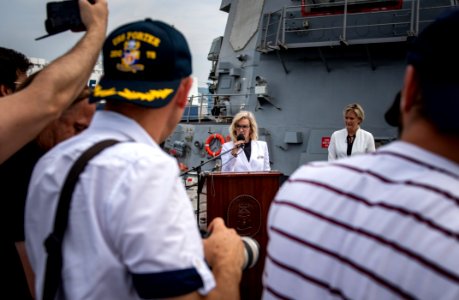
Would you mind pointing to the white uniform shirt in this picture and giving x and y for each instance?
(131, 225)
(363, 143)
(377, 226)
(259, 158)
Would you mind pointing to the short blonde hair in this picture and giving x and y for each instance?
(253, 125)
(357, 109)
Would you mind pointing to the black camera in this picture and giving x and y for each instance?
(62, 16)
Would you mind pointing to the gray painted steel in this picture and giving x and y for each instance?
(297, 72)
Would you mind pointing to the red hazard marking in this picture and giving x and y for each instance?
(325, 141)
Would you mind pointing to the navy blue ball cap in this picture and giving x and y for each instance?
(144, 63)
(435, 57)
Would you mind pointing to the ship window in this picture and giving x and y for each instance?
(225, 82)
(215, 49)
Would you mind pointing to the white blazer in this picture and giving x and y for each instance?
(363, 143)
(259, 158)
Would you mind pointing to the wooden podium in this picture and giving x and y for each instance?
(242, 200)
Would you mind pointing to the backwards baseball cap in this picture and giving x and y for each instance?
(144, 63)
(435, 57)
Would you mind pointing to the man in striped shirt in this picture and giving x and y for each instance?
(383, 225)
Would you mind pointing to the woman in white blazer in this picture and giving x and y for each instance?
(244, 152)
(351, 140)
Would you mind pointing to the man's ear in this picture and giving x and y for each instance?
(410, 91)
(4, 90)
(182, 93)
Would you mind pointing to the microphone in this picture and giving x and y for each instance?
(240, 137)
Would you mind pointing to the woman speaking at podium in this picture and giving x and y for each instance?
(245, 152)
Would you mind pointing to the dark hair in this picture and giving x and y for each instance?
(392, 115)
(12, 62)
(435, 60)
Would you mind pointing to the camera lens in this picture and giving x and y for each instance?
(251, 252)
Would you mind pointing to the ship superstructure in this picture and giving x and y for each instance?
(295, 64)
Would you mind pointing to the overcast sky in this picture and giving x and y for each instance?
(199, 20)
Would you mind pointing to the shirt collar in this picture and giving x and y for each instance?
(120, 127)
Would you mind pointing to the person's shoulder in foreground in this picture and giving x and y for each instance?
(381, 225)
(130, 203)
(385, 219)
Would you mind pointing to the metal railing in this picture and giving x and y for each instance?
(220, 108)
(213, 107)
(291, 27)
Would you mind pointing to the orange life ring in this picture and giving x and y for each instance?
(209, 141)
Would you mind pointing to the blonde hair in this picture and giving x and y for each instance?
(253, 125)
(357, 109)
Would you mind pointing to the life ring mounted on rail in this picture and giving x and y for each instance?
(210, 139)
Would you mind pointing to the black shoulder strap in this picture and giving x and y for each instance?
(53, 243)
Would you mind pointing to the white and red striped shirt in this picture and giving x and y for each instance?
(378, 226)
